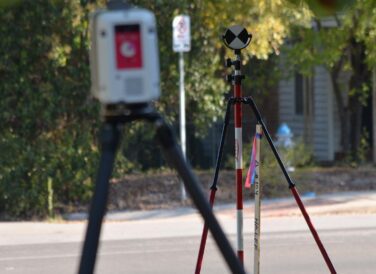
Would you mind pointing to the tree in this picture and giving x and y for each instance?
(46, 118)
(49, 120)
(347, 46)
(268, 21)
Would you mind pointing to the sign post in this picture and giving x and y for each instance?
(181, 34)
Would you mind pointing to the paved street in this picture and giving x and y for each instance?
(168, 243)
(352, 251)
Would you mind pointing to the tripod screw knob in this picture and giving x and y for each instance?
(228, 63)
(229, 78)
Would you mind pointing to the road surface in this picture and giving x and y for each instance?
(169, 245)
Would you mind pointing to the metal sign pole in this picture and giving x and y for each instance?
(181, 42)
(182, 116)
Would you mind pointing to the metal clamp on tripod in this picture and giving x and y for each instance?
(126, 82)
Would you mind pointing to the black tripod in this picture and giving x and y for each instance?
(110, 138)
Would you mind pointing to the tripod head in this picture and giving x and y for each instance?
(236, 38)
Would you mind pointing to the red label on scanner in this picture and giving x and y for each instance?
(128, 47)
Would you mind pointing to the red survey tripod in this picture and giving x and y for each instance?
(236, 38)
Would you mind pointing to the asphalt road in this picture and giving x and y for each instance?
(351, 247)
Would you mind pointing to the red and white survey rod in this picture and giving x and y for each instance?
(237, 100)
(238, 158)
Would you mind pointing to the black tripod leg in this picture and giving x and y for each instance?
(175, 158)
(292, 187)
(110, 138)
(213, 187)
(251, 102)
(221, 144)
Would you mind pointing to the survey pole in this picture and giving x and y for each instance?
(257, 234)
(237, 38)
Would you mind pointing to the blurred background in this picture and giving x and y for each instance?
(310, 68)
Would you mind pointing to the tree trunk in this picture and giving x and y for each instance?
(356, 129)
(343, 110)
(360, 77)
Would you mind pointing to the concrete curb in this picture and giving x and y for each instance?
(325, 204)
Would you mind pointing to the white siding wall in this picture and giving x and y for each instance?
(326, 129)
(323, 135)
(287, 107)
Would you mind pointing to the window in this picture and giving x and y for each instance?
(299, 94)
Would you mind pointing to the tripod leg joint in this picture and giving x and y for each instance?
(214, 188)
(234, 100)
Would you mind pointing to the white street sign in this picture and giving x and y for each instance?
(181, 33)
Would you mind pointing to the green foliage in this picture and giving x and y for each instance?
(262, 76)
(326, 7)
(49, 122)
(345, 45)
(299, 155)
(366, 30)
(312, 47)
(268, 21)
(363, 149)
(6, 3)
(326, 45)
(47, 117)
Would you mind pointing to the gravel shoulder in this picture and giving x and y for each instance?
(162, 190)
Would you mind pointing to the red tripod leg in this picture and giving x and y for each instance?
(213, 187)
(313, 230)
(204, 236)
(249, 100)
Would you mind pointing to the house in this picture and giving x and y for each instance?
(308, 106)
